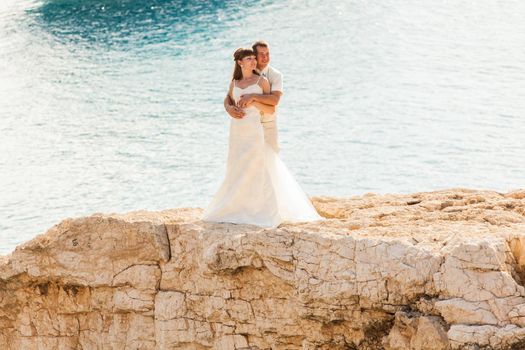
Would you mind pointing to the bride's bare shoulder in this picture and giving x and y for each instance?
(263, 78)
(264, 84)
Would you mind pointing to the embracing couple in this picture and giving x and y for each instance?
(258, 188)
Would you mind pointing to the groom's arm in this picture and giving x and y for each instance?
(271, 98)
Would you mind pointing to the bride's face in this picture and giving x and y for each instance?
(249, 62)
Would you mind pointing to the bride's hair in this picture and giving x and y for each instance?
(238, 55)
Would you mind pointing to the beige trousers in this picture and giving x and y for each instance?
(270, 132)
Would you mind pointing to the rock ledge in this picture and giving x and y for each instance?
(433, 270)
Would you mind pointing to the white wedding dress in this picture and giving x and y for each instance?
(258, 188)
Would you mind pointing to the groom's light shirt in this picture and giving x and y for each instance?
(275, 78)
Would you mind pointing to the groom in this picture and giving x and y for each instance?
(269, 123)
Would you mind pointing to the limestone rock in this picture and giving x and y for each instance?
(436, 270)
(415, 331)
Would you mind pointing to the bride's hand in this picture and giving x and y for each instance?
(246, 101)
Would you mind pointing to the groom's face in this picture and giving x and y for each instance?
(263, 56)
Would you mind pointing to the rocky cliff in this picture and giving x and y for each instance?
(434, 270)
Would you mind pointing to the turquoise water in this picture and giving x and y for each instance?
(113, 106)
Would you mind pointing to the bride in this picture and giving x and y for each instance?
(258, 188)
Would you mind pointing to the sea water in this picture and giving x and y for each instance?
(116, 105)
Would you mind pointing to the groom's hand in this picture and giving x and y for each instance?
(245, 100)
(235, 112)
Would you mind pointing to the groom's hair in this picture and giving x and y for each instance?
(260, 43)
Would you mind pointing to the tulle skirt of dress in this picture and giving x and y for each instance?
(258, 188)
